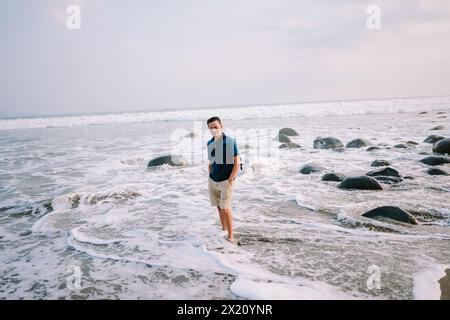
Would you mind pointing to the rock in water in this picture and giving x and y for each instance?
(438, 128)
(380, 163)
(289, 145)
(283, 138)
(437, 172)
(172, 160)
(386, 171)
(442, 146)
(371, 148)
(191, 135)
(311, 168)
(388, 179)
(360, 182)
(433, 138)
(358, 143)
(401, 146)
(338, 149)
(391, 212)
(327, 143)
(435, 160)
(333, 176)
(288, 132)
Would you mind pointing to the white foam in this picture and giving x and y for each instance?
(426, 282)
(255, 282)
(305, 290)
(247, 112)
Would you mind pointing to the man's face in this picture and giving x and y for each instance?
(215, 128)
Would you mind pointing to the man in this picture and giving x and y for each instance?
(223, 166)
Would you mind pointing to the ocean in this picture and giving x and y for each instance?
(82, 217)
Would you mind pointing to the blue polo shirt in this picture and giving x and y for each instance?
(221, 154)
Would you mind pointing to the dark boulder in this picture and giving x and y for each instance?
(311, 168)
(438, 128)
(333, 176)
(360, 182)
(282, 138)
(288, 132)
(380, 163)
(371, 148)
(391, 212)
(435, 160)
(401, 146)
(433, 138)
(388, 179)
(289, 145)
(386, 171)
(172, 160)
(437, 172)
(442, 146)
(327, 143)
(358, 143)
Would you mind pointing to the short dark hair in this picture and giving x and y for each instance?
(212, 119)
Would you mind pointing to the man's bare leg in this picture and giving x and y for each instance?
(222, 219)
(228, 222)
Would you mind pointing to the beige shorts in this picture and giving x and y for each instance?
(220, 193)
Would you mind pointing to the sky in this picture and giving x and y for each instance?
(153, 55)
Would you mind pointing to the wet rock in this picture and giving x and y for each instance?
(360, 182)
(288, 132)
(437, 172)
(333, 176)
(391, 212)
(388, 179)
(358, 143)
(411, 143)
(435, 160)
(289, 145)
(433, 138)
(191, 135)
(283, 138)
(327, 143)
(401, 146)
(172, 160)
(371, 148)
(442, 146)
(386, 171)
(311, 168)
(380, 163)
(438, 128)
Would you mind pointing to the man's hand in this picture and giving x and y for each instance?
(231, 181)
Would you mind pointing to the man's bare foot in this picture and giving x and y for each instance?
(233, 241)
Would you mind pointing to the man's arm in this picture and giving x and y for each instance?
(209, 167)
(234, 172)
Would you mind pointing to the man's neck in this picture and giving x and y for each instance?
(218, 137)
